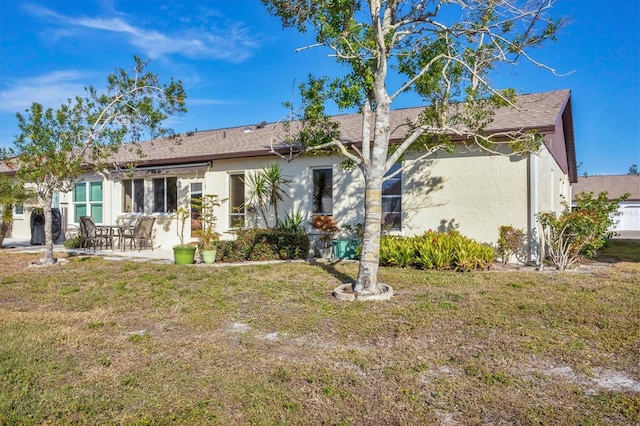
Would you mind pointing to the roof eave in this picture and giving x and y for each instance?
(569, 139)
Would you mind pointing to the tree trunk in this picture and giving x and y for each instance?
(275, 210)
(367, 282)
(48, 258)
(265, 217)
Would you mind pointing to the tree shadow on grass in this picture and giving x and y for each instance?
(620, 250)
(330, 268)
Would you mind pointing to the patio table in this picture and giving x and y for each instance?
(115, 231)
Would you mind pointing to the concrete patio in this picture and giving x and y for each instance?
(156, 255)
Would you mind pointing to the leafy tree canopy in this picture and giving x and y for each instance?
(56, 145)
(446, 52)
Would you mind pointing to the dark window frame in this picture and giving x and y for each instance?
(237, 212)
(165, 194)
(322, 191)
(195, 197)
(392, 196)
(134, 189)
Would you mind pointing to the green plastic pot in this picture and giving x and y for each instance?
(184, 255)
(209, 256)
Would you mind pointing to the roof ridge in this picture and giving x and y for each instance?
(347, 114)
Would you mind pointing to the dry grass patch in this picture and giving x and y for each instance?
(97, 341)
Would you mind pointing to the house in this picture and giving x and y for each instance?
(470, 190)
(628, 223)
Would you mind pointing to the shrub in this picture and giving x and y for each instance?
(564, 237)
(471, 255)
(436, 250)
(264, 244)
(510, 243)
(577, 233)
(353, 230)
(396, 251)
(293, 223)
(602, 212)
(73, 242)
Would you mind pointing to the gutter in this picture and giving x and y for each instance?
(532, 208)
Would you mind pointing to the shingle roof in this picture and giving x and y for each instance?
(615, 185)
(540, 111)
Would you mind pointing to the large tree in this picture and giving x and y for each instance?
(446, 51)
(55, 146)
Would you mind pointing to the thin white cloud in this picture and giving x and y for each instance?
(207, 102)
(50, 90)
(233, 42)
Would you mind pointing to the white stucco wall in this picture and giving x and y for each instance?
(166, 225)
(348, 197)
(20, 228)
(553, 186)
(472, 191)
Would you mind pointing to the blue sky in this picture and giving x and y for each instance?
(238, 65)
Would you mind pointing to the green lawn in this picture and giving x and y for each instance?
(112, 342)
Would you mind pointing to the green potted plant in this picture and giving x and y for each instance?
(327, 227)
(183, 254)
(207, 236)
(208, 246)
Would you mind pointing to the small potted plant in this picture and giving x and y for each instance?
(208, 245)
(183, 254)
(208, 237)
(327, 227)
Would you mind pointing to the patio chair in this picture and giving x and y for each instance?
(141, 235)
(92, 235)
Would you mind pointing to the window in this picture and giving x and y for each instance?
(392, 198)
(236, 191)
(87, 200)
(18, 209)
(165, 194)
(133, 196)
(322, 191)
(196, 200)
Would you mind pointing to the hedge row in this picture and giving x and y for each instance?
(436, 250)
(264, 244)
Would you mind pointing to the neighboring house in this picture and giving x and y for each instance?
(470, 190)
(628, 223)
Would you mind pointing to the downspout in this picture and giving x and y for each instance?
(108, 197)
(112, 196)
(532, 167)
(570, 195)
